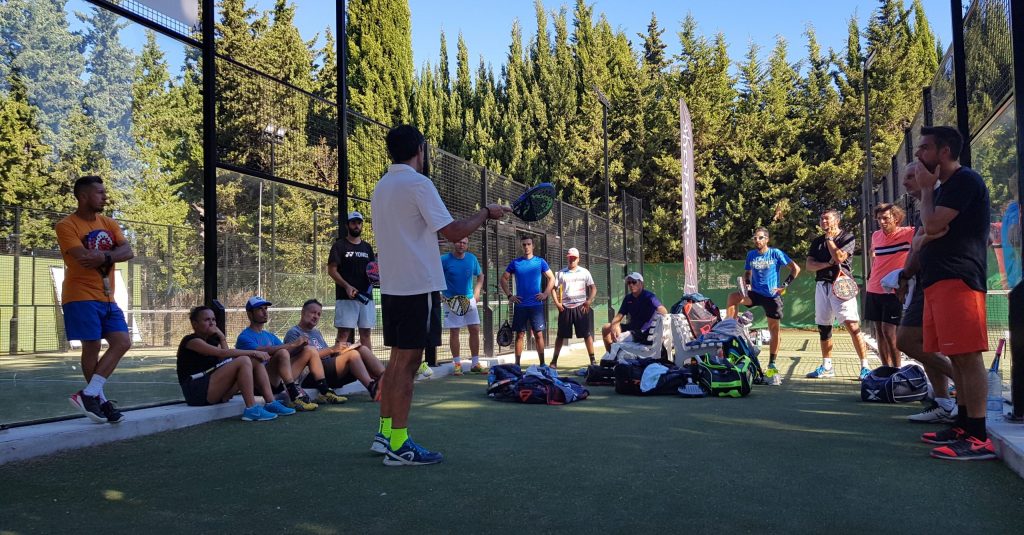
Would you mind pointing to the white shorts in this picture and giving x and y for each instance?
(455, 321)
(828, 307)
(350, 314)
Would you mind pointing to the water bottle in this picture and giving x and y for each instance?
(994, 401)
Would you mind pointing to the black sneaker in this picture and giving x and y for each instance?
(89, 405)
(113, 415)
(946, 436)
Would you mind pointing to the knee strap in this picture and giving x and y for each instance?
(825, 332)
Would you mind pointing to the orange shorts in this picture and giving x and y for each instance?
(954, 318)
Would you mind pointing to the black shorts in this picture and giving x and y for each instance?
(195, 391)
(571, 318)
(330, 374)
(411, 321)
(913, 315)
(882, 307)
(772, 305)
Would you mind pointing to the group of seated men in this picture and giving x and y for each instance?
(280, 371)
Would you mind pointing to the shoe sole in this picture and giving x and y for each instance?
(390, 461)
(244, 419)
(81, 408)
(377, 447)
(937, 442)
(985, 457)
(117, 421)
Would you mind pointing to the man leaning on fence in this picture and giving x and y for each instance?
(91, 244)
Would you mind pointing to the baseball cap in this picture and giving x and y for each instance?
(635, 276)
(255, 302)
(573, 252)
(355, 215)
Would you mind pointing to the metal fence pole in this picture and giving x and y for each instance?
(960, 80)
(209, 154)
(13, 342)
(929, 111)
(1016, 315)
(488, 330)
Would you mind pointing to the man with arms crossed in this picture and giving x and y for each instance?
(353, 292)
(762, 280)
(91, 244)
(532, 273)
(829, 255)
(463, 276)
(909, 338)
(953, 273)
(575, 295)
(411, 214)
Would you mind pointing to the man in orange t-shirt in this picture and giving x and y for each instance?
(890, 246)
(91, 244)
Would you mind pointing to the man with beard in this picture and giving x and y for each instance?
(354, 307)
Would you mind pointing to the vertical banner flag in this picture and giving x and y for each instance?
(689, 226)
(186, 11)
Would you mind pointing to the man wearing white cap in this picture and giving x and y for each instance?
(574, 296)
(353, 292)
(640, 305)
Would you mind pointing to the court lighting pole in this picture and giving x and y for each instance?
(274, 135)
(605, 106)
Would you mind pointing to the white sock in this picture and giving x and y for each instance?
(828, 363)
(946, 403)
(864, 363)
(476, 360)
(95, 387)
(456, 360)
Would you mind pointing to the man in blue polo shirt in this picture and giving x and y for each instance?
(640, 305)
(530, 272)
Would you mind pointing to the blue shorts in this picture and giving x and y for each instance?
(90, 320)
(531, 315)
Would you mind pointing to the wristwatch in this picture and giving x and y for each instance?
(109, 261)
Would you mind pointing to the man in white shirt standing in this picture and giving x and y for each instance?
(407, 215)
(574, 297)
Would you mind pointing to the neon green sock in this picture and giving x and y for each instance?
(398, 437)
(385, 427)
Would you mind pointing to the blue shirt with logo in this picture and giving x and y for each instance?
(460, 274)
(764, 270)
(528, 273)
(250, 339)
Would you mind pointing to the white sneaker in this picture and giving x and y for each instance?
(933, 415)
(424, 372)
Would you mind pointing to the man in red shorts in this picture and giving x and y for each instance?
(954, 268)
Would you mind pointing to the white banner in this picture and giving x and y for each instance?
(186, 11)
(689, 226)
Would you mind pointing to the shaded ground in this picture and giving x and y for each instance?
(806, 456)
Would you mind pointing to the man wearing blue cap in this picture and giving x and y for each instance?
(281, 367)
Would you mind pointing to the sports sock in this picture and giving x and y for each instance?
(591, 358)
(771, 359)
(321, 386)
(864, 363)
(828, 363)
(398, 437)
(961, 416)
(95, 387)
(946, 403)
(293, 391)
(103, 397)
(456, 360)
(385, 427)
(976, 428)
(476, 360)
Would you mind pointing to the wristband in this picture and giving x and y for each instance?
(788, 280)
(109, 261)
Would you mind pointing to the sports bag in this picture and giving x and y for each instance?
(701, 313)
(503, 381)
(722, 378)
(600, 375)
(629, 376)
(886, 384)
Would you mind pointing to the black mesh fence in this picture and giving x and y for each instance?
(988, 60)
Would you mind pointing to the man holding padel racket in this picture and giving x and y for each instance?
(835, 293)
(465, 280)
(410, 213)
(534, 282)
(91, 244)
(353, 290)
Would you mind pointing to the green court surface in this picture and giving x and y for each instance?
(804, 457)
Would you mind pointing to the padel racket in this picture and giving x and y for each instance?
(100, 240)
(202, 374)
(535, 203)
(458, 304)
(373, 273)
(844, 287)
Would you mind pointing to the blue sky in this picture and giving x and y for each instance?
(486, 25)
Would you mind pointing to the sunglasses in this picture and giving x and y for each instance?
(760, 237)
(631, 282)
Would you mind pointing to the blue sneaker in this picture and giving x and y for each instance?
(257, 413)
(864, 373)
(821, 372)
(380, 444)
(411, 454)
(278, 408)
